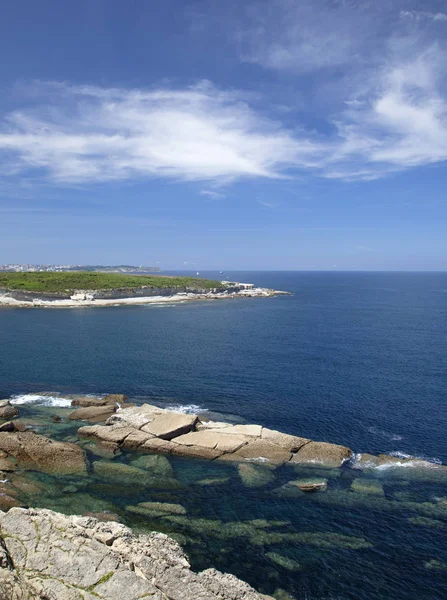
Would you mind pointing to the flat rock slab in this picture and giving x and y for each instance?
(213, 439)
(329, 455)
(115, 433)
(39, 453)
(93, 413)
(288, 442)
(262, 451)
(44, 554)
(85, 401)
(170, 425)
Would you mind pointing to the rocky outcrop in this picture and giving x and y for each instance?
(154, 430)
(7, 411)
(93, 414)
(85, 401)
(329, 455)
(39, 453)
(47, 555)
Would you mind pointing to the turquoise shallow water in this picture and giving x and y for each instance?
(357, 359)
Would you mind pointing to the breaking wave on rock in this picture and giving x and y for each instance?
(41, 400)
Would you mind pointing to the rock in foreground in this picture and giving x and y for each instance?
(149, 429)
(45, 555)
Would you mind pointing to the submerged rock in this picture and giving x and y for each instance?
(367, 486)
(427, 522)
(44, 554)
(255, 476)
(284, 561)
(435, 565)
(39, 453)
(155, 464)
(157, 509)
(119, 472)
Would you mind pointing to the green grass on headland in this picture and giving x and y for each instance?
(83, 280)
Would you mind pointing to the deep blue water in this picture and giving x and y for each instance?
(354, 358)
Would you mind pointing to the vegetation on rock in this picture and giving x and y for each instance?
(83, 280)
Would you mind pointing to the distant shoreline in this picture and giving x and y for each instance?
(87, 298)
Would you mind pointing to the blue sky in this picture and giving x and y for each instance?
(276, 134)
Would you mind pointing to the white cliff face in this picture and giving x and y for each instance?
(82, 296)
(92, 298)
(44, 554)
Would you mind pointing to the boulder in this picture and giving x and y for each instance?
(119, 398)
(170, 425)
(38, 453)
(44, 554)
(7, 411)
(85, 401)
(93, 414)
(8, 426)
(329, 455)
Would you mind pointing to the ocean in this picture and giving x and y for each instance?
(352, 358)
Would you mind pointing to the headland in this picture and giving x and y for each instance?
(77, 289)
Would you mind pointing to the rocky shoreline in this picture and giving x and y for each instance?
(135, 296)
(46, 555)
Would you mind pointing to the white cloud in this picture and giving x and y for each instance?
(395, 121)
(420, 15)
(199, 133)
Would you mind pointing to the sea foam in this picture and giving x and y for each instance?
(40, 400)
(186, 409)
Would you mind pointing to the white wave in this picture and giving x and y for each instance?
(408, 460)
(39, 400)
(430, 459)
(186, 409)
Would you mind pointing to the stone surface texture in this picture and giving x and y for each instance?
(39, 453)
(151, 429)
(49, 556)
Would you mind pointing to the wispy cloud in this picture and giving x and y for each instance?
(420, 15)
(82, 134)
(212, 194)
(74, 135)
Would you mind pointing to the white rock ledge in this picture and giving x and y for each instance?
(44, 554)
(83, 298)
